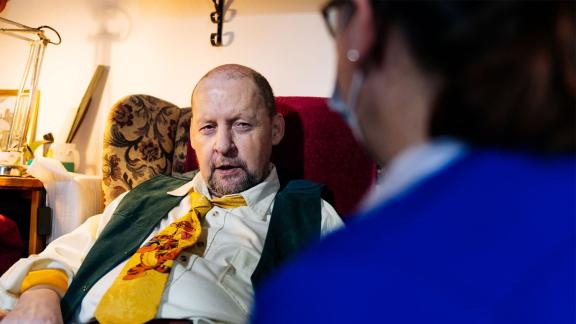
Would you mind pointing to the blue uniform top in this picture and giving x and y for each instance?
(489, 239)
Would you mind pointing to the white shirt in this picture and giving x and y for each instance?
(210, 281)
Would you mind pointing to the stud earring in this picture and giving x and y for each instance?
(352, 55)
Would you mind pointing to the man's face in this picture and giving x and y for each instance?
(232, 133)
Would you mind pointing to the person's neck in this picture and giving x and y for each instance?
(403, 97)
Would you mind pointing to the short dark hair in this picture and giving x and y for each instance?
(508, 67)
(236, 71)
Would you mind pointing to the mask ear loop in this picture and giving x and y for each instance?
(347, 109)
(355, 87)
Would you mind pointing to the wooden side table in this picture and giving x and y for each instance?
(21, 198)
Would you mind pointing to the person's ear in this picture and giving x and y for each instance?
(191, 135)
(278, 125)
(359, 32)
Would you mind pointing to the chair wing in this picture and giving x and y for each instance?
(139, 143)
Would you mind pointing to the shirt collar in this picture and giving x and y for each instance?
(259, 198)
(413, 166)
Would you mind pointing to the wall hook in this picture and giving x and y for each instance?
(217, 17)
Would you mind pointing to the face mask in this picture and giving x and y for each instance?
(347, 110)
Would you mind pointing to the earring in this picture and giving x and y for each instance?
(352, 55)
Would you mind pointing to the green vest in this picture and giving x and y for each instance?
(294, 223)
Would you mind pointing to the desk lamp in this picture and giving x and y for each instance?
(12, 142)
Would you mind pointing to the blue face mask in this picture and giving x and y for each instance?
(347, 110)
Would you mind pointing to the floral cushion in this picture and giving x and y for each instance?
(140, 142)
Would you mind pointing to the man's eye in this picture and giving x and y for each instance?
(207, 128)
(242, 125)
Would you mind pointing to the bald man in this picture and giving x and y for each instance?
(207, 265)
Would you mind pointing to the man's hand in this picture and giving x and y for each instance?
(36, 305)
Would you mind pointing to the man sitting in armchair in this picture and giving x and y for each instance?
(174, 248)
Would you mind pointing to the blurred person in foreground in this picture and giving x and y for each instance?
(470, 106)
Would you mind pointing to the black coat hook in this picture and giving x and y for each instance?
(217, 17)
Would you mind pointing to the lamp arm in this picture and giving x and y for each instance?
(17, 24)
(23, 29)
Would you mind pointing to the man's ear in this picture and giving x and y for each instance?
(277, 128)
(359, 31)
(191, 137)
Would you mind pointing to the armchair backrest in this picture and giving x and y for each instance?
(139, 143)
(146, 136)
(318, 146)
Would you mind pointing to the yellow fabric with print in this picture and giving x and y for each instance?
(134, 296)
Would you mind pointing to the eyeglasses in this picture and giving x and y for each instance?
(330, 12)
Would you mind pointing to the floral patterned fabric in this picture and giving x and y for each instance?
(144, 136)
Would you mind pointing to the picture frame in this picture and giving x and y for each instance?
(8, 99)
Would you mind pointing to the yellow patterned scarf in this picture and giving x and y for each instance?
(134, 296)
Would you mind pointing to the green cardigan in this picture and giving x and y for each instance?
(294, 223)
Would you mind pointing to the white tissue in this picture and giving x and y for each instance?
(73, 197)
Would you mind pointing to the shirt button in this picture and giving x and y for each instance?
(216, 213)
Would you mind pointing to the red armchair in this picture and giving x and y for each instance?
(11, 244)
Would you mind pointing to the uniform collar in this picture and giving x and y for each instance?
(258, 198)
(413, 166)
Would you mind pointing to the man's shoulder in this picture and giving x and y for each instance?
(165, 182)
(305, 190)
(152, 190)
(302, 185)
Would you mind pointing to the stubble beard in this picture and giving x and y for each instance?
(232, 184)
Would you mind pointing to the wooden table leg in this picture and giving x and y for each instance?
(35, 242)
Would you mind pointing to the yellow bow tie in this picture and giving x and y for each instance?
(134, 296)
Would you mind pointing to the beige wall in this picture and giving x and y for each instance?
(161, 48)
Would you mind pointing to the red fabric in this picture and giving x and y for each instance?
(318, 146)
(11, 245)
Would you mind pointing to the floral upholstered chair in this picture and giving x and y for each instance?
(144, 136)
(147, 136)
